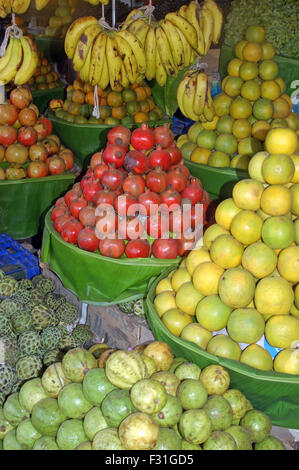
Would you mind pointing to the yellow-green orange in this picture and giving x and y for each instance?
(278, 232)
(222, 104)
(195, 257)
(163, 285)
(226, 143)
(248, 71)
(295, 199)
(212, 313)
(194, 131)
(206, 278)
(164, 301)
(232, 86)
(176, 320)
(179, 278)
(187, 149)
(246, 227)
(276, 200)
(241, 129)
(240, 108)
(288, 264)
(268, 70)
(295, 158)
(240, 161)
(247, 194)
(252, 52)
(287, 361)
(225, 212)
(236, 287)
(268, 50)
(226, 251)
(246, 325)
(259, 259)
(273, 296)
(255, 166)
(270, 90)
(219, 160)
(263, 109)
(260, 130)
(282, 331)
(196, 334)
(212, 233)
(255, 33)
(239, 46)
(281, 141)
(187, 298)
(225, 124)
(206, 139)
(234, 67)
(278, 169)
(297, 296)
(251, 90)
(257, 357)
(249, 146)
(223, 346)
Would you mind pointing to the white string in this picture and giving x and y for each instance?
(11, 31)
(96, 107)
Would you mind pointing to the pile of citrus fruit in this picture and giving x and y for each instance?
(44, 76)
(126, 106)
(253, 102)
(240, 285)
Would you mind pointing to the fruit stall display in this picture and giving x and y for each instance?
(236, 295)
(143, 399)
(136, 194)
(252, 102)
(32, 158)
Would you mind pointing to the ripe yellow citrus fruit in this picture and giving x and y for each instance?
(295, 199)
(225, 124)
(273, 296)
(278, 232)
(281, 108)
(251, 90)
(240, 162)
(268, 51)
(255, 33)
(263, 109)
(278, 168)
(219, 160)
(255, 166)
(226, 143)
(234, 67)
(297, 296)
(241, 128)
(248, 71)
(293, 121)
(249, 146)
(187, 149)
(179, 277)
(212, 313)
(239, 48)
(182, 139)
(288, 100)
(259, 259)
(206, 278)
(200, 155)
(288, 264)
(276, 200)
(240, 108)
(176, 320)
(195, 257)
(194, 131)
(212, 233)
(206, 139)
(236, 287)
(223, 346)
(222, 103)
(247, 227)
(282, 331)
(260, 130)
(196, 334)
(287, 361)
(226, 251)
(225, 212)
(268, 70)
(247, 194)
(252, 52)
(257, 357)
(295, 158)
(187, 297)
(232, 86)
(270, 90)
(246, 325)
(163, 285)
(164, 301)
(281, 83)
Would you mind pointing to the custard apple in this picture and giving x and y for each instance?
(52, 356)
(29, 366)
(41, 316)
(53, 301)
(8, 286)
(50, 338)
(21, 321)
(127, 307)
(22, 296)
(37, 295)
(7, 378)
(45, 284)
(29, 342)
(82, 333)
(67, 313)
(5, 325)
(9, 350)
(68, 342)
(25, 284)
(9, 306)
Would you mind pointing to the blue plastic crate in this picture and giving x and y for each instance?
(16, 260)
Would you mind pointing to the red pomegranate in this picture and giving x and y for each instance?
(136, 161)
(106, 222)
(159, 158)
(175, 154)
(69, 196)
(8, 114)
(90, 189)
(158, 225)
(68, 158)
(123, 202)
(143, 138)
(112, 179)
(165, 248)
(134, 185)
(112, 248)
(8, 135)
(27, 135)
(40, 129)
(193, 191)
(119, 135)
(104, 196)
(37, 169)
(163, 136)
(171, 198)
(87, 239)
(114, 155)
(150, 201)
(87, 216)
(76, 206)
(96, 159)
(47, 122)
(70, 231)
(177, 179)
(61, 220)
(56, 165)
(138, 249)
(156, 180)
(131, 228)
(20, 97)
(59, 211)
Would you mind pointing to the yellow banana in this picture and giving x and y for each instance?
(137, 49)
(3, 13)
(139, 28)
(74, 32)
(175, 43)
(84, 71)
(188, 97)
(181, 91)
(29, 62)
(150, 48)
(114, 63)
(161, 75)
(187, 48)
(104, 79)
(40, 4)
(8, 73)
(200, 93)
(134, 13)
(185, 26)
(20, 6)
(7, 55)
(209, 110)
(6, 5)
(218, 19)
(98, 52)
(165, 52)
(124, 77)
(83, 45)
(207, 27)
(183, 11)
(128, 57)
(192, 13)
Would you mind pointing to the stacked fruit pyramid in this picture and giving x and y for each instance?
(44, 76)
(241, 284)
(141, 399)
(132, 199)
(253, 102)
(28, 148)
(36, 326)
(127, 106)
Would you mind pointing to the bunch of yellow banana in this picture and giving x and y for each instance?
(19, 62)
(19, 6)
(104, 57)
(97, 2)
(194, 97)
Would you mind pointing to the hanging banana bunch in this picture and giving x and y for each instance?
(19, 7)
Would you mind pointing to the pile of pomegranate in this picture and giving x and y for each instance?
(130, 202)
(27, 142)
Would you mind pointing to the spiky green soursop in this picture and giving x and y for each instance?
(9, 306)
(52, 356)
(53, 301)
(9, 350)
(127, 307)
(21, 321)
(7, 378)
(50, 338)
(67, 313)
(8, 286)
(138, 308)
(29, 342)
(42, 317)
(5, 325)
(28, 367)
(82, 333)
